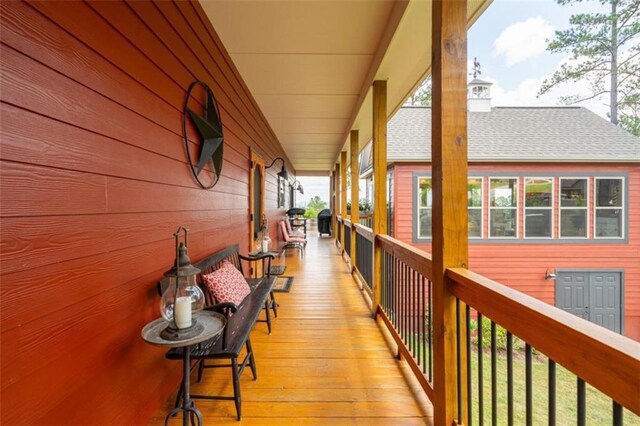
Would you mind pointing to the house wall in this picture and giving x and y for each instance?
(94, 181)
(522, 264)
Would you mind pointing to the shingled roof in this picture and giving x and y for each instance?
(528, 134)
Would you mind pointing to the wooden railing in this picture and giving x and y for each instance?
(405, 305)
(593, 355)
(339, 225)
(364, 255)
(606, 360)
(366, 220)
(347, 237)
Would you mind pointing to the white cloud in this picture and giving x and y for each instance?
(523, 40)
(525, 94)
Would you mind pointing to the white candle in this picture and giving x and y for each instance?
(265, 245)
(182, 313)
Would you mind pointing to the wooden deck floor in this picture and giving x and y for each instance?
(326, 361)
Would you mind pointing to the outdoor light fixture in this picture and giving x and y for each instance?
(299, 187)
(182, 298)
(283, 172)
(549, 275)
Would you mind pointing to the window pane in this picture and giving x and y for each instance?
(424, 195)
(503, 223)
(573, 192)
(474, 192)
(538, 192)
(475, 223)
(538, 223)
(424, 229)
(573, 223)
(609, 223)
(609, 192)
(504, 192)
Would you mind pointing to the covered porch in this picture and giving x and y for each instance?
(326, 361)
(97, 171)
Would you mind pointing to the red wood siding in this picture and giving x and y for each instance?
(522, 265)
(94, 182)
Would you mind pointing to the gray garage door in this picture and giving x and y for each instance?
(592, 295)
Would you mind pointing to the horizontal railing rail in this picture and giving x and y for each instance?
(606, 360)
(364, 254)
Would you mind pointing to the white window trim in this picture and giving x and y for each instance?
(621, 208)
(516, 208)
(524, 207)
(586, 208)
(481, 208)
(419, 207)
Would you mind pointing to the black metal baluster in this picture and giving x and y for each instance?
(401, 298)
(414, 315)
(480, 371)
(494, 376)
(385, 288)
(528, 385)
(395, 293)
(582, 400)
(423, 339)
(552, 392)
(409, 309)
(406, 306)
(459, 360)
(430, 331)
(467, 316)
(617, 414)
(509, 379)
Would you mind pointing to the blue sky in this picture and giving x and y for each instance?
(510, 40)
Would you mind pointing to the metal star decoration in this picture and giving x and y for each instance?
(210, 130)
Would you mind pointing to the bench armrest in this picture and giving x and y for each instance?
(267, 255)
(223, 308)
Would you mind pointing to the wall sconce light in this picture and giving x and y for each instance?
(549, 275)
(299, 187)
(283, 172)
(183, 298)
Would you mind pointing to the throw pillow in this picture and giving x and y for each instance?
(226, 284)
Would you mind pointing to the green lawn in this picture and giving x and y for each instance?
(599, 407)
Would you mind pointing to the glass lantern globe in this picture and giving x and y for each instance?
(183, 298)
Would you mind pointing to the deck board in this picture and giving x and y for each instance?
(326, 362)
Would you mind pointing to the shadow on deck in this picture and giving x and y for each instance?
(326, 361)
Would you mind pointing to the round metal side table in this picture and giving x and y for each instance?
(213, 323)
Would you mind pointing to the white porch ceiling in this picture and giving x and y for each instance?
(310, 65)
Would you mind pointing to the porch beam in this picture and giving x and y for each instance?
(334, 198)
(449, 167)
(379, 180)
(343, 192)
(355, 191)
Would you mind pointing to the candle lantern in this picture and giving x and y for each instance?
(182, 298)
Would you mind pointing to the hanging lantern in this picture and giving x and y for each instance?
(183, 298)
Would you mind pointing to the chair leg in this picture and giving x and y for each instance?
(252, 360)
(274, 305)
(236, 387)
(200, 370)
(266, 309)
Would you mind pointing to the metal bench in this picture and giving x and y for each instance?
(240, 321)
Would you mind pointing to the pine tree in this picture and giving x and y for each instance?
(605, 51)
